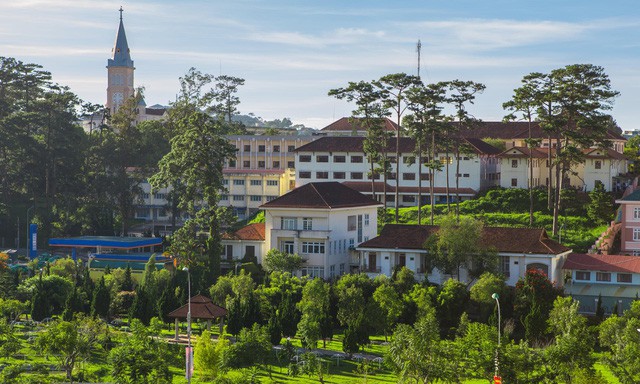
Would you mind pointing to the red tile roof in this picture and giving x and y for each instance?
(365, 187)
(606, 263)
(253, 231)
(201, 308)
(407, 145)
(543, 153)
(326, 195)
(511, 240)
(516, 130)
(350, 124)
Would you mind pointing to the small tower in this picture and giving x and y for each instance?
(120, 71)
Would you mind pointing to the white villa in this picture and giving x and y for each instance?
(518, 249)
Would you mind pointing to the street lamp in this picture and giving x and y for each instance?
(495, 296)
(189, 354)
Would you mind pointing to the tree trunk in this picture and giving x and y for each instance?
(457, 155)
(432, 175)
(559, 176)
(397, 165)
(419, 184)
(550, 183)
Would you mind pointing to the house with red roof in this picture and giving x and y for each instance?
(518, 249)
(613, 278)
(342, 159)
(321, 222)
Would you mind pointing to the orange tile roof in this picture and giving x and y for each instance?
(606, 263)
(253, 231)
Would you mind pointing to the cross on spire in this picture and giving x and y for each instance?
(121, 10)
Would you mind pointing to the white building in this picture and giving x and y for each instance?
(599, 165)
(321, 222)
(518, 249)
(343, 159)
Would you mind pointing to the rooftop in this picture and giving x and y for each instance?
(605, 263)
(328, 195)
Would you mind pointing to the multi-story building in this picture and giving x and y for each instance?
(629, 215)
(599, 165)
(343, 159)
(321, 222)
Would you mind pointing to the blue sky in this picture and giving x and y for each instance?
(292, 52)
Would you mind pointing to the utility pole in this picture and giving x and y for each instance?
(418, 49)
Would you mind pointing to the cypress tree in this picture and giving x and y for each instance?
(101, 300)
(127, 283)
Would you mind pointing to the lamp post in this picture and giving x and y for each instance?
(189, 354)
(27, 232)
(495, 296)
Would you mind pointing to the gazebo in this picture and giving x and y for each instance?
(201, 308)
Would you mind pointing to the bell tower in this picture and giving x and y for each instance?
(119, 71)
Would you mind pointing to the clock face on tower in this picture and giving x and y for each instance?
(117, 98)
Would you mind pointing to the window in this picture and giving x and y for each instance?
(514, 163)
(271, 198)
(603, 276)
(256, 198)
(366, 219)
(145, 195)
(465, 175)
(312, 247)
(250, 251)
(332, 271)
(291, 164)
(351, 223)
(408, 159)
(313, 272)
(288, 223)
(322, 159)
(514, 182)
(339, 159)
(305, 174)
(307, 223)
(352, 243)
(232, 163)
(291, 148)
(356, 159)
(636, 213)
(260, 148)
(408, 199)
(256, 182)
(224, 197)
(424, 176)
(276, 164)
(159, 196)
(446, 159)
(238, 182)
(276, 148)
(505, 266)
(342, 269)
(225, 181)
(636, 234)
(261, 164)
(391, 176)
(582, 275)
(624, 277)
(338, 175)
(356, 175)
(392, 160)
(287, 247)
(238, 197)
(246, 164)
(408, 176)
(272, 183)
(247, 147)
(305, 158)
(598, 164)
(322, 175)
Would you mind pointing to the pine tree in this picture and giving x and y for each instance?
(127, 283)
(101, 300)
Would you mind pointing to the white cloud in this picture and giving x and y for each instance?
(339, 36)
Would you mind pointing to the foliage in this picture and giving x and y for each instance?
(314, 307)
(208, 355)
(600, 209)
(101, 300)
(534, 297)
(70, 341)
(252, 347)
(140, 358)
(620, 337)
(276, 260)
(390, 305)
(451, 302)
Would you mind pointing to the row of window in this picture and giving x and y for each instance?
(270, 183)
(257, 198)
(354, 222)
(324, 175)
(262, 164)
(603, 276)
(359, 159)
(263, 148)
(597, 164)
(157, 195)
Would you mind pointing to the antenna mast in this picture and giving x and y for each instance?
(418, 49)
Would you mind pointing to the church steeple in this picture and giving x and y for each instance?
(120, 71)
(120, 54)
